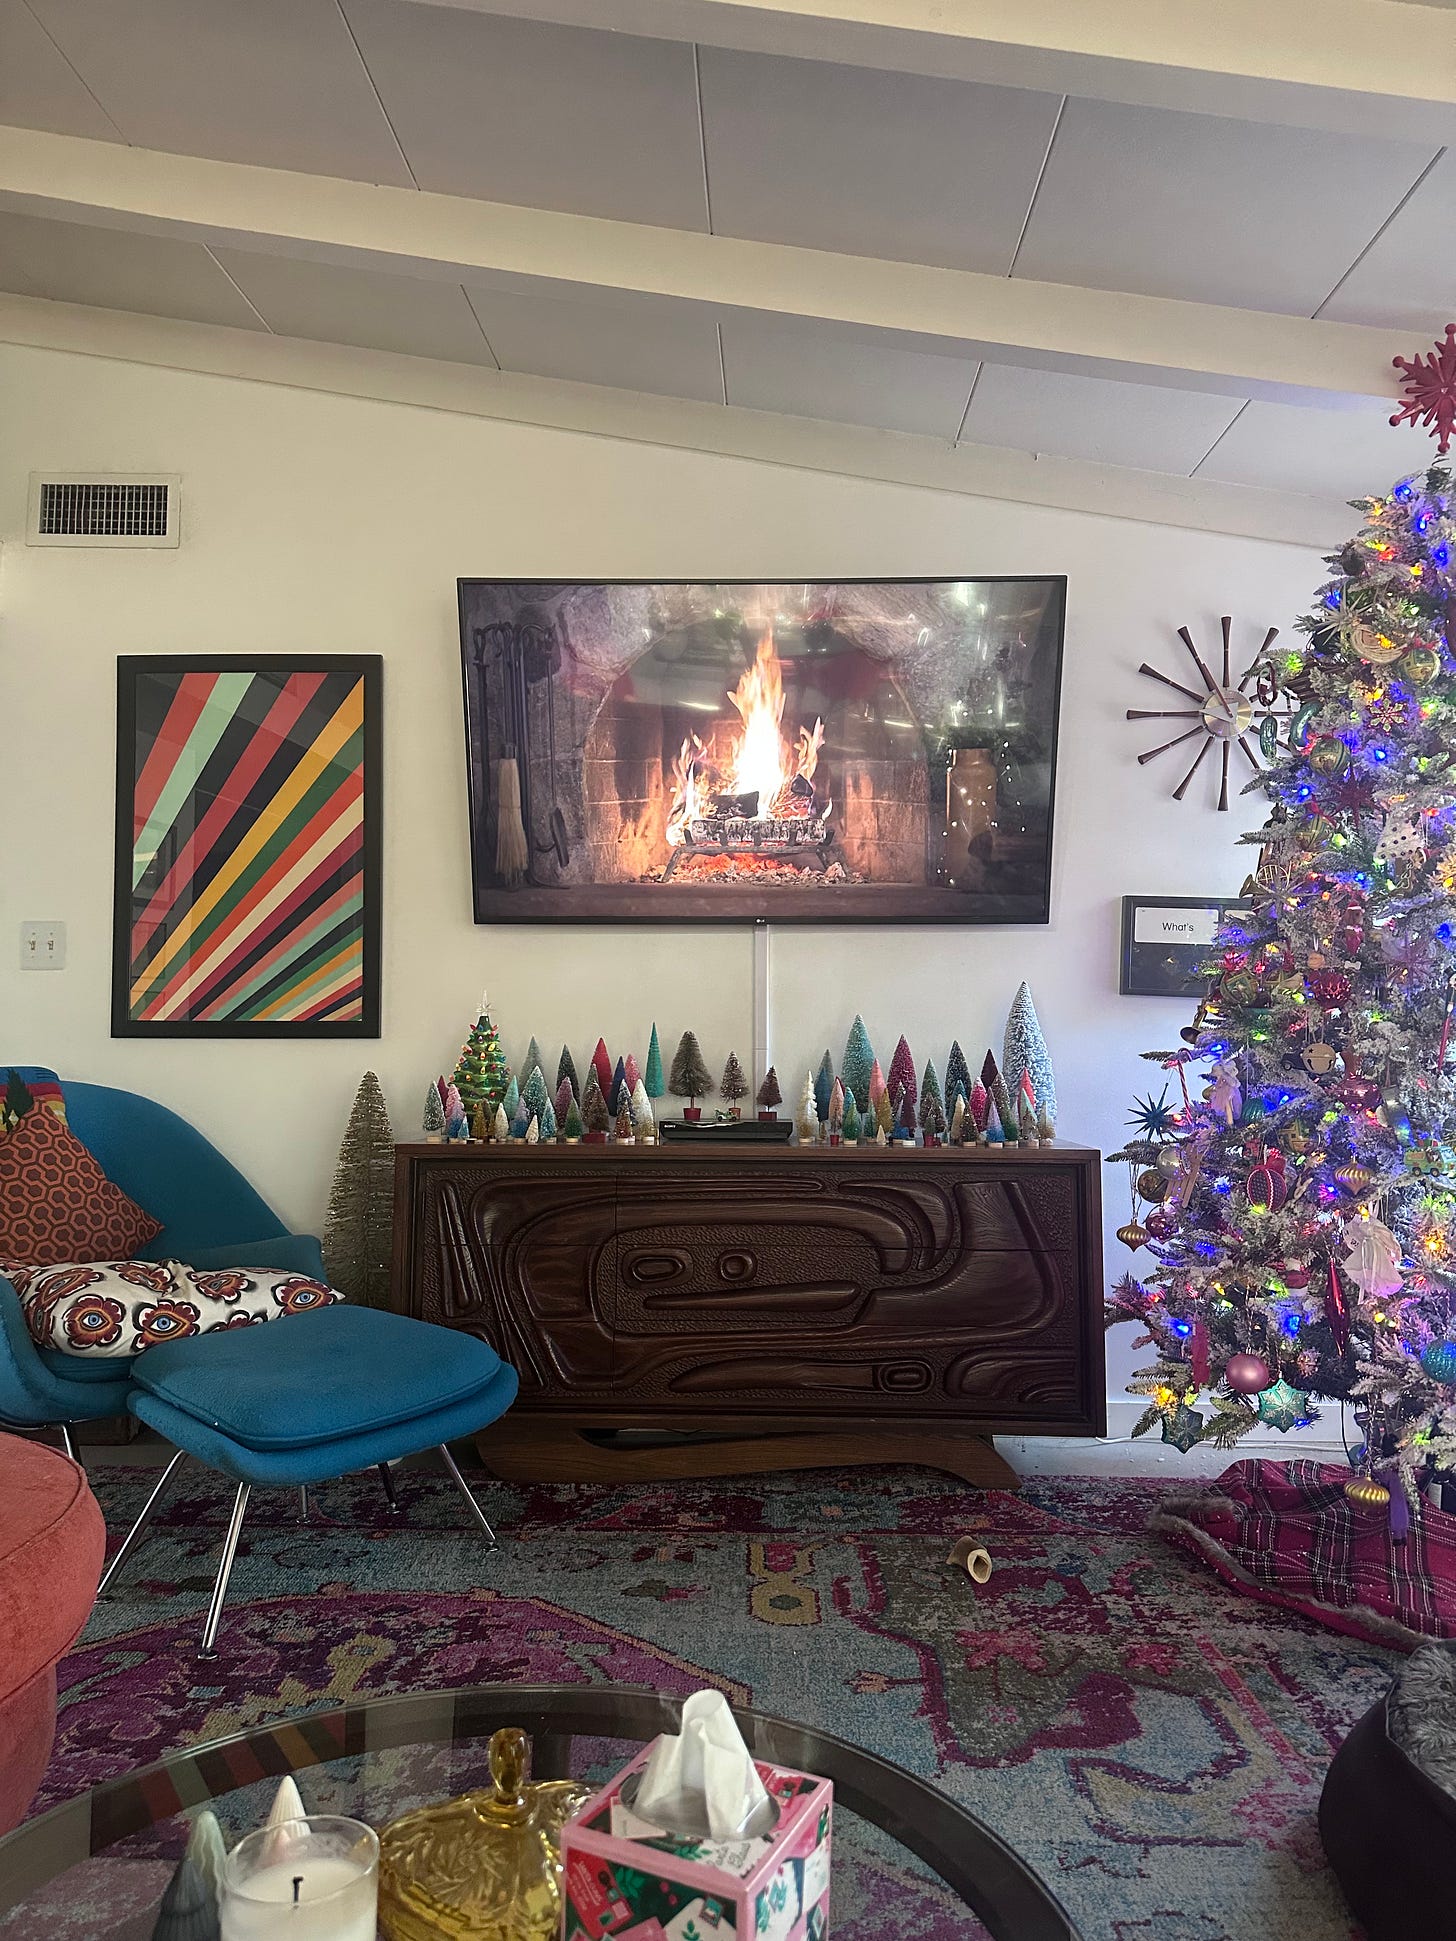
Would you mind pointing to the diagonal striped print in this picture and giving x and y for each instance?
(248, 857)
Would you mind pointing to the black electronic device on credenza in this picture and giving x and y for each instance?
(726, 1132)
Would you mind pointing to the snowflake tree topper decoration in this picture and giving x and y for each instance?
(1430, 387)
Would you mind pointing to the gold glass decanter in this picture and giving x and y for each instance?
(486, 1866)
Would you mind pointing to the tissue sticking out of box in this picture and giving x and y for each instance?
(703, 1778)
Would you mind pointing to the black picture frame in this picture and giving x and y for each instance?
(270, 738)
(1166, 967)
(642, 902)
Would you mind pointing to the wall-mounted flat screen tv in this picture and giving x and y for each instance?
(811, 751)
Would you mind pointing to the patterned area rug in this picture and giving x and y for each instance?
(1151, 1742)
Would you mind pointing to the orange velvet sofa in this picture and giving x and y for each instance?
(52, 1542)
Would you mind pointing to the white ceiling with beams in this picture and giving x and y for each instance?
(1093, 253)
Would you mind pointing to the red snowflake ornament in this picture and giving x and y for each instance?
(1430, 387)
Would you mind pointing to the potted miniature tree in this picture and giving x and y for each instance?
(733, 1085)
(769, 1096)
(572, 1125)
(689, 1078)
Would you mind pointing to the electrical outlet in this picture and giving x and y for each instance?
(42, 946)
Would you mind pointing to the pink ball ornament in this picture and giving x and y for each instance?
(1247, 1374)
(1160, 1223)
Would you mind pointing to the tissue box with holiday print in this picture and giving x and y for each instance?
(625, 1879)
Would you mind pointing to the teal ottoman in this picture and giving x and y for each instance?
(310, 1397)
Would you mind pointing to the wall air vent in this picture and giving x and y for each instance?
(103, 509)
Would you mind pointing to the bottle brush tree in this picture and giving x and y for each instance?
(957, 1076)
(769, 1095)
(594, 1112)
(359, 1225)
(851, 1119)
(901, 1075)
(823, 1086)
(573, 1122)
(602, 1066)
(689, 1078)
(652, 1074)
(733, 1085)
(1025, 1052)
(434, 1114)
(855, 1066)
(930, 1095)
(807, 1122)
(566, 1072)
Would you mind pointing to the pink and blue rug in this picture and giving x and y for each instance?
(1150, 1741)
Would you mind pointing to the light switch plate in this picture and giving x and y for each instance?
(42, 946)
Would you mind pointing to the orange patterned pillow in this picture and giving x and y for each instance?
(56, 1204)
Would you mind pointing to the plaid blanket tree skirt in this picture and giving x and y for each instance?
(1286, 1533)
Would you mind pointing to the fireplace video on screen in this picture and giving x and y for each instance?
(813, 751)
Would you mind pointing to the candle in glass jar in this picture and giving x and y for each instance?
(308, 1880)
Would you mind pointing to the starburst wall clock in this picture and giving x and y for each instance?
(1223, 712)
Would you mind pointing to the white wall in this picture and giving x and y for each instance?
(316, 523)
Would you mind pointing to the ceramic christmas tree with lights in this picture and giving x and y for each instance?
(481, 1073)
(1301, 1205)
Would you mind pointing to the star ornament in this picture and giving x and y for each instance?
(1283, 1407)
(1183, 1428)
(1429, 384)
(1154, 1118)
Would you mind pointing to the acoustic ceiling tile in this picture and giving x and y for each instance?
(602, 124)
(633, 345)
(1095, 418)
(851, 379)
(277, 82)
(73, 262)
(372, 308)
(1198, 206)
(904, 166)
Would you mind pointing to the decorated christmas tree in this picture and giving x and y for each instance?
(652, 1072)
(359, 1225)
(566, 1072)
(769, 1095)
(857, 1062)
(733, 1085)
(957, 1076)
(901, 1075)
(480, 1071)
(1025, 1053)
(1301, 1212)
(689, 1078)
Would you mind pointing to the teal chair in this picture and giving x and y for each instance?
(210, 1217)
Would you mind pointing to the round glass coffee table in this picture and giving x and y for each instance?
(907, 1861)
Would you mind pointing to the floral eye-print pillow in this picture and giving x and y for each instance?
(120, 1307)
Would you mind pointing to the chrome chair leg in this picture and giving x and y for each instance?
(135, 1534)
(68, 1441)
(386, 1476)
(207, 1649)
(464, 1489)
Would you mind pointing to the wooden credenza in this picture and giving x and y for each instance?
(694, 1309)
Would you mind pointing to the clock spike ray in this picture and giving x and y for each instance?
(1224, 712)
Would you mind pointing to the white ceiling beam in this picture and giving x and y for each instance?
(1153, 340)
(852, 451)
(1379, 67)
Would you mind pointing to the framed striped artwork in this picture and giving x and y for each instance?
(247, 846)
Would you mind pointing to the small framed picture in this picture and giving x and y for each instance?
(247, 846)
(1166, 941)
